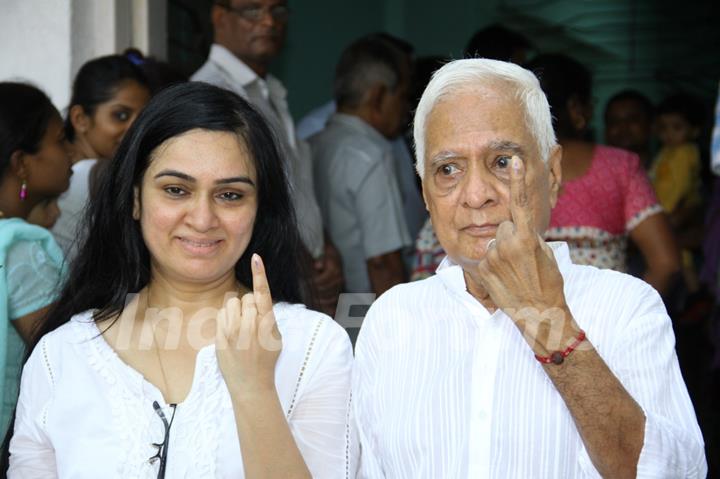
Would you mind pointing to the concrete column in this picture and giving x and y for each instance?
(46, 41)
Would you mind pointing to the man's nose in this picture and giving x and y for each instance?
(267, 19)
(478, 189)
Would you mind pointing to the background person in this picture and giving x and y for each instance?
(355, 177)
(629, 119)
(194, 198)
(108, 94)
(34, 169)
(606, 196)
(247, 36)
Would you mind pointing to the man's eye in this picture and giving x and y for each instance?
(448, 170)
(502, 162)
(122, 116)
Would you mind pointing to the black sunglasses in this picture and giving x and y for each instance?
(162, 448)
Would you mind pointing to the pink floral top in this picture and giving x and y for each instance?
(596, 212)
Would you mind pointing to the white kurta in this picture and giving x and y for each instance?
(84, 413)
(444, 389)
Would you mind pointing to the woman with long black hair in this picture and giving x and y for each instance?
(108, 94)
(177, 347)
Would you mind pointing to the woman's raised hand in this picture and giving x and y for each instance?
(247, 341)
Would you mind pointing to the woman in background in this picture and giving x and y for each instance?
(605, 195)
(108, 94)
(34, 169)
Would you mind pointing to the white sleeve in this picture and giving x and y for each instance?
(363, 415)
(645, 362)
(31, 453)
(319, 421)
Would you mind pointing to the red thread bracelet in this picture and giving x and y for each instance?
(559, 356)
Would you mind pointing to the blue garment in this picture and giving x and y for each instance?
(31, 271)
(715, 145)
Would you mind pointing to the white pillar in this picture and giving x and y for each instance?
(46, 41)
(35, 39)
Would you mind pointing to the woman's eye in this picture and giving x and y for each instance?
(230, 196)
(122, 115)
(174, 191)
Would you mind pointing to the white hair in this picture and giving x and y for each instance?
(478, 73)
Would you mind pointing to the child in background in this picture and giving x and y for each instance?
(675, 172)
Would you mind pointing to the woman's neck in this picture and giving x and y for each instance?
(190, 298)
(81, 150)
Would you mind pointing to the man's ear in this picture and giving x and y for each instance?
(554, 165)
(136, 203)
(578, 113)
(217, 16)
(376, 97)
(79, 119)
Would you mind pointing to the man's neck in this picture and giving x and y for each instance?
(360, 112)
(260, 69)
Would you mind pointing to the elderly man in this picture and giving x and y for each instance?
(248, 35)
(512, 361)
(355, 179)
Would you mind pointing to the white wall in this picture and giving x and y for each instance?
(35, 39)
(46, 41)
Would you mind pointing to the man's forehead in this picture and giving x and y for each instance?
(489, 118)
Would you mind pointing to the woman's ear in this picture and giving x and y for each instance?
(18, 164)
(79, 119)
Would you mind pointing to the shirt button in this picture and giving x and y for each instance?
(482, 415)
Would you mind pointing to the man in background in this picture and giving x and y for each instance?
(355, 178)
(248, 35)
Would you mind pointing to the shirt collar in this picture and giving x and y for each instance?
(358, 124)
(452, 275)
(242, 73)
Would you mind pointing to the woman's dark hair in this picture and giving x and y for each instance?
(562, 79)
(25, 113)
(114, 261)
(96, 83)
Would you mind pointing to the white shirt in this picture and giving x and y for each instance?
(84, 413)
(358, 195)
(444, 389)
(413, 205)
(72, 206)
(268, 95)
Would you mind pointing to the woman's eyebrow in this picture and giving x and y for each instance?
(222, 181)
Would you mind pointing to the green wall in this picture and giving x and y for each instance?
(655, 46)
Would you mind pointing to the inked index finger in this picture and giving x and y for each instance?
(520, 211)
(261, 288)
